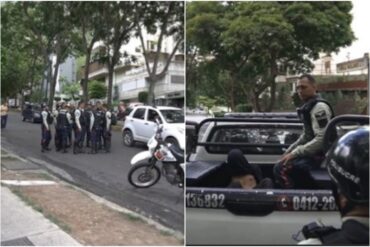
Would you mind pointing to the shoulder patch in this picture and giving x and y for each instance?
(321, 118)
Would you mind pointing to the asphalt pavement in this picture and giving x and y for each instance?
(102, 174)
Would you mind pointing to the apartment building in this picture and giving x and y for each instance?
(129, 79)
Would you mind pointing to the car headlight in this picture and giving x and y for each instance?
(37, 114)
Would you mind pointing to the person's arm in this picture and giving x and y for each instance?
(320, 117)
(77, 119)
(301, 140)
(92, 119)
(69, 118)
(55, 115)
(108, 117)
(44, 115)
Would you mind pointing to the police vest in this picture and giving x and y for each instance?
(62, 120)
(82, 117)
(352, 233)
(73, 117)
(304, 113)
(99, 118)
(49, 118)
(87, 116)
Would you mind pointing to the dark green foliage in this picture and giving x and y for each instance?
(143, 97)
(97, 90)
(244, 108)
(253, 42)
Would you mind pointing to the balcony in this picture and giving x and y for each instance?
(96, 71)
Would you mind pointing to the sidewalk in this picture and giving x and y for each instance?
(22, 225)
(37, 208)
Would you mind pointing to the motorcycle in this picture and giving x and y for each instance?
(145, 171)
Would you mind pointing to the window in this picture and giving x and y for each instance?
(178, 79)
(173, 116)
(139, 113)
(152, 114)
(256, 135)
(151, 45)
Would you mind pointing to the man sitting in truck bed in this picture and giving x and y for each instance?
(293, 170)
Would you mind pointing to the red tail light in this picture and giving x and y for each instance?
(158, 155)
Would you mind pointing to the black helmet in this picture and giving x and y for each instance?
(348, 165)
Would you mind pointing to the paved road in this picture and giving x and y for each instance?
(102, 174)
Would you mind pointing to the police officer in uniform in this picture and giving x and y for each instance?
(71, 123)
(47, 120)
(87, 114)
(97, 122)
(80, 128)
(348, 166)
(292, 171)
(56, 136)
(107, 129)
(62, 127)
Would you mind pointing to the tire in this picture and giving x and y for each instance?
(172, 141)
(148, 179)
(128, 138)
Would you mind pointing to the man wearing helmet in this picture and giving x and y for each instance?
(348, 166)
(293, 170)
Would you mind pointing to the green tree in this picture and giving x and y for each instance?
(118, 24)
(143, 97)
(97, 90)
(72, 90)
(87, 17)
(20, 60)
(50, 25)
(256, 41)
(167, 20)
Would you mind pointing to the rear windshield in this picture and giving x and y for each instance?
(173, 116)
(255, 135)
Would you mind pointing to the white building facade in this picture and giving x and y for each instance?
(130, 78)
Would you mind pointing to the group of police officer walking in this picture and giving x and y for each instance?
(88, 122)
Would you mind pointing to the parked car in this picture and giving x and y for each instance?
(219, 215)
(140, 125)
(32, 112)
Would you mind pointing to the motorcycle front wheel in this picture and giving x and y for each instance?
(144, 175)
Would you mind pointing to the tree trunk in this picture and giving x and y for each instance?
(85, 79)
(256, 103)
(85, 93)
(110, 84)
(274, 72)
(53, 83)
(49, 79)
(232, 96)
(151, 95)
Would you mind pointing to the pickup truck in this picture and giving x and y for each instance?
(217, 215)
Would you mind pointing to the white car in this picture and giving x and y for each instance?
(140, 125)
